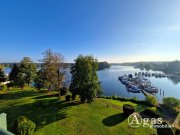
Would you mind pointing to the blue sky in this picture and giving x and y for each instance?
(111, 30)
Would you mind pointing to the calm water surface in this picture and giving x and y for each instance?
(112, 86)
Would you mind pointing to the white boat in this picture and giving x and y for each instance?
(151, 89)
(125, 81)
(122, 77)
(134, 89)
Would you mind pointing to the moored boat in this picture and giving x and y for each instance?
(151, 89)
(134, 88)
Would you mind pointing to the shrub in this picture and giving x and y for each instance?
(9, 85)
(108, 97)
(63, 91)
(73, 96)
(151, 100)
(115, 97)
(171, 102)
(68, 97)
(23, 126)
(3, 87)
(128, 109)
(134, 99)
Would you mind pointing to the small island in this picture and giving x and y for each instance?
(103, 65)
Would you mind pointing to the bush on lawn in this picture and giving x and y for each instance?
(128, 109)
(151, 100)
(68, 97)
(115, 97)
(171, 102)
(63, 91)
(108, 97)
(134, 99)
(3, 87)
(23, 126)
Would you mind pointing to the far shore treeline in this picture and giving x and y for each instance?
(101, 65)
(167, 67)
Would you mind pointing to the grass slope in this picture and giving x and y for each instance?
(54, 116)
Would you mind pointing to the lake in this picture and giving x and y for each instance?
(112, 86)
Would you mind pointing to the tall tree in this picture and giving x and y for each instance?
(53, 69)
(2, 76)
(40, 80)
(13, 75)
(27, 72)
(84, 80)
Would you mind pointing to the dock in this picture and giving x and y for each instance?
(146, 93)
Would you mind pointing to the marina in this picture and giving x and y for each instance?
(112, 86)
(137, 84)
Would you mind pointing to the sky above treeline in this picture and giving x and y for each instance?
(111, 30)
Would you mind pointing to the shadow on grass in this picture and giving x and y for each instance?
(18, 94)
(114, 119)
(42, 112)
(47, 96)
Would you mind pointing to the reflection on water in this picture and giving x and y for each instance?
(7, 70)
(112, 86)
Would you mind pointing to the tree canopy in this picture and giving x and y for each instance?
(23, 73)
(84, 80)
(27, 71)
(51, 74)
(13, 75)
(2, 76)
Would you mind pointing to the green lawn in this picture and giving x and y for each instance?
(54, 116)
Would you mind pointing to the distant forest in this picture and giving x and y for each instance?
(101, 65)
(168, 67)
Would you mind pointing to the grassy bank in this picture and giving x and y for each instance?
(55, 116)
